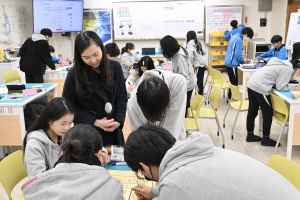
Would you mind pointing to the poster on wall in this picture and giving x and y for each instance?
(218, 18)
(99, 21)
(293, 31)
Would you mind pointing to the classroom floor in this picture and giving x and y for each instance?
(239, 144)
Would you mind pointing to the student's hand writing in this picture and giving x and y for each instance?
(103, 123)
(143, 192)
(112, 126)
(104, 158)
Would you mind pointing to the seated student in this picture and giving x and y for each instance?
(145, 63)
(43, 139)
(276, 74)
(159, 98)
(78, 174)
(196, 169)
(128, 59)
(278, 50)
(112, 51)
(54, 59)
(235, 29)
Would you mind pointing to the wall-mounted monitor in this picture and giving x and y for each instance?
(58, 15)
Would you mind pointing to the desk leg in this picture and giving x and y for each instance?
(20, 110)
(54, 92)
(294, 129)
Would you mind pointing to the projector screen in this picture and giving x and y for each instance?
(58, 15)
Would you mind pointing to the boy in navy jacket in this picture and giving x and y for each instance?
(234, 55)
(279, 51)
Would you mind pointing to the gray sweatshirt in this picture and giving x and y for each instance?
(73, 181)
(197, 59)
(37, 37)
(181, 64)
(40, 154)
(126, 59)
(195, 169)
(174, 118)
(276, 74)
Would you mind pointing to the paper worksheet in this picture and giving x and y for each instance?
(129, 180)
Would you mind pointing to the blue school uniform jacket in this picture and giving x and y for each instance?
(280, 53)
(229, 34)
(234, 55)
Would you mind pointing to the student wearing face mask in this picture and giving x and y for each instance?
(128, 59)
(276, 74)
(234, 56)
(191, 169)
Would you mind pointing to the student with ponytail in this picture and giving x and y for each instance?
(128, 59)
(43, 139)
(78, 174)
(197, 57)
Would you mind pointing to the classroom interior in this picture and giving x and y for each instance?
(277, 24)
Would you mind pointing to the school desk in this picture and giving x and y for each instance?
(12, 124)
(246, 74)
(294, 119)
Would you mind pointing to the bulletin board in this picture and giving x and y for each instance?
(154, 20)
(293, 35)
(218, 18)
(99, 21)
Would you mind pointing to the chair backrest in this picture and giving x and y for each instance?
(196, 102)
(209, 70)
(217, 76)
(214, 97)
(279, 105)
(287, 168)
(11, 75)
(12, 171)
(200, 100)
(235, 93)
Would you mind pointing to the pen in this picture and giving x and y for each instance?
(138, 183)
(118, 163)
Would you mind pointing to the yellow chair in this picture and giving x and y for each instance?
(211, 113)
(208, 80)
(12, 171)
(11, 75)
(287, 168)
(191, 122)
(237, 103)
(281, 116)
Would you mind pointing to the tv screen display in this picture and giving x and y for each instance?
(58, 15)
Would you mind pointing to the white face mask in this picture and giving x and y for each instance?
(295, 78)
(132, 52)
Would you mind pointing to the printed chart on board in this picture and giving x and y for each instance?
(154, 20)
(293, 35)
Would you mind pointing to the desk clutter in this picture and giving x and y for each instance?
(18, 92)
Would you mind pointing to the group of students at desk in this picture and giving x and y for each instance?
(185, 168)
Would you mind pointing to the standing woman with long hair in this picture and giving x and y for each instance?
(128, 59)
(94, 81)
(181, 63)
(43, 139)
(197, 57)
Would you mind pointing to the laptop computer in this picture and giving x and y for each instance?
(16, 88)
(148, 51)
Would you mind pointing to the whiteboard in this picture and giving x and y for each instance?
(293, 35)
(154, 20)
(15, 22)
(218, 18)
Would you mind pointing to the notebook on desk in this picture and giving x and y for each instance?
(16, 88)
(148, 51)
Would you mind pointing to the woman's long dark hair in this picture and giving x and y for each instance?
(191, 35)
(169, 46)
(127, 47)
(296, 51)
(144, 61)
(83, 71)
(56, 109)
(79, 141)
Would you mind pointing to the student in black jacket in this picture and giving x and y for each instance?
(35, 56)
(91, 83)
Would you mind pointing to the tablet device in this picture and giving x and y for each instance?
(16, 88)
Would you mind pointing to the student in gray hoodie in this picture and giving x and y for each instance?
(181, 63)
(78, 174)
(197, 57)
(276, 74)
(159, 98)
(196, 169)
(43, 139)
(128, 59)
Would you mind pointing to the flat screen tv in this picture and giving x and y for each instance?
(58, 15)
